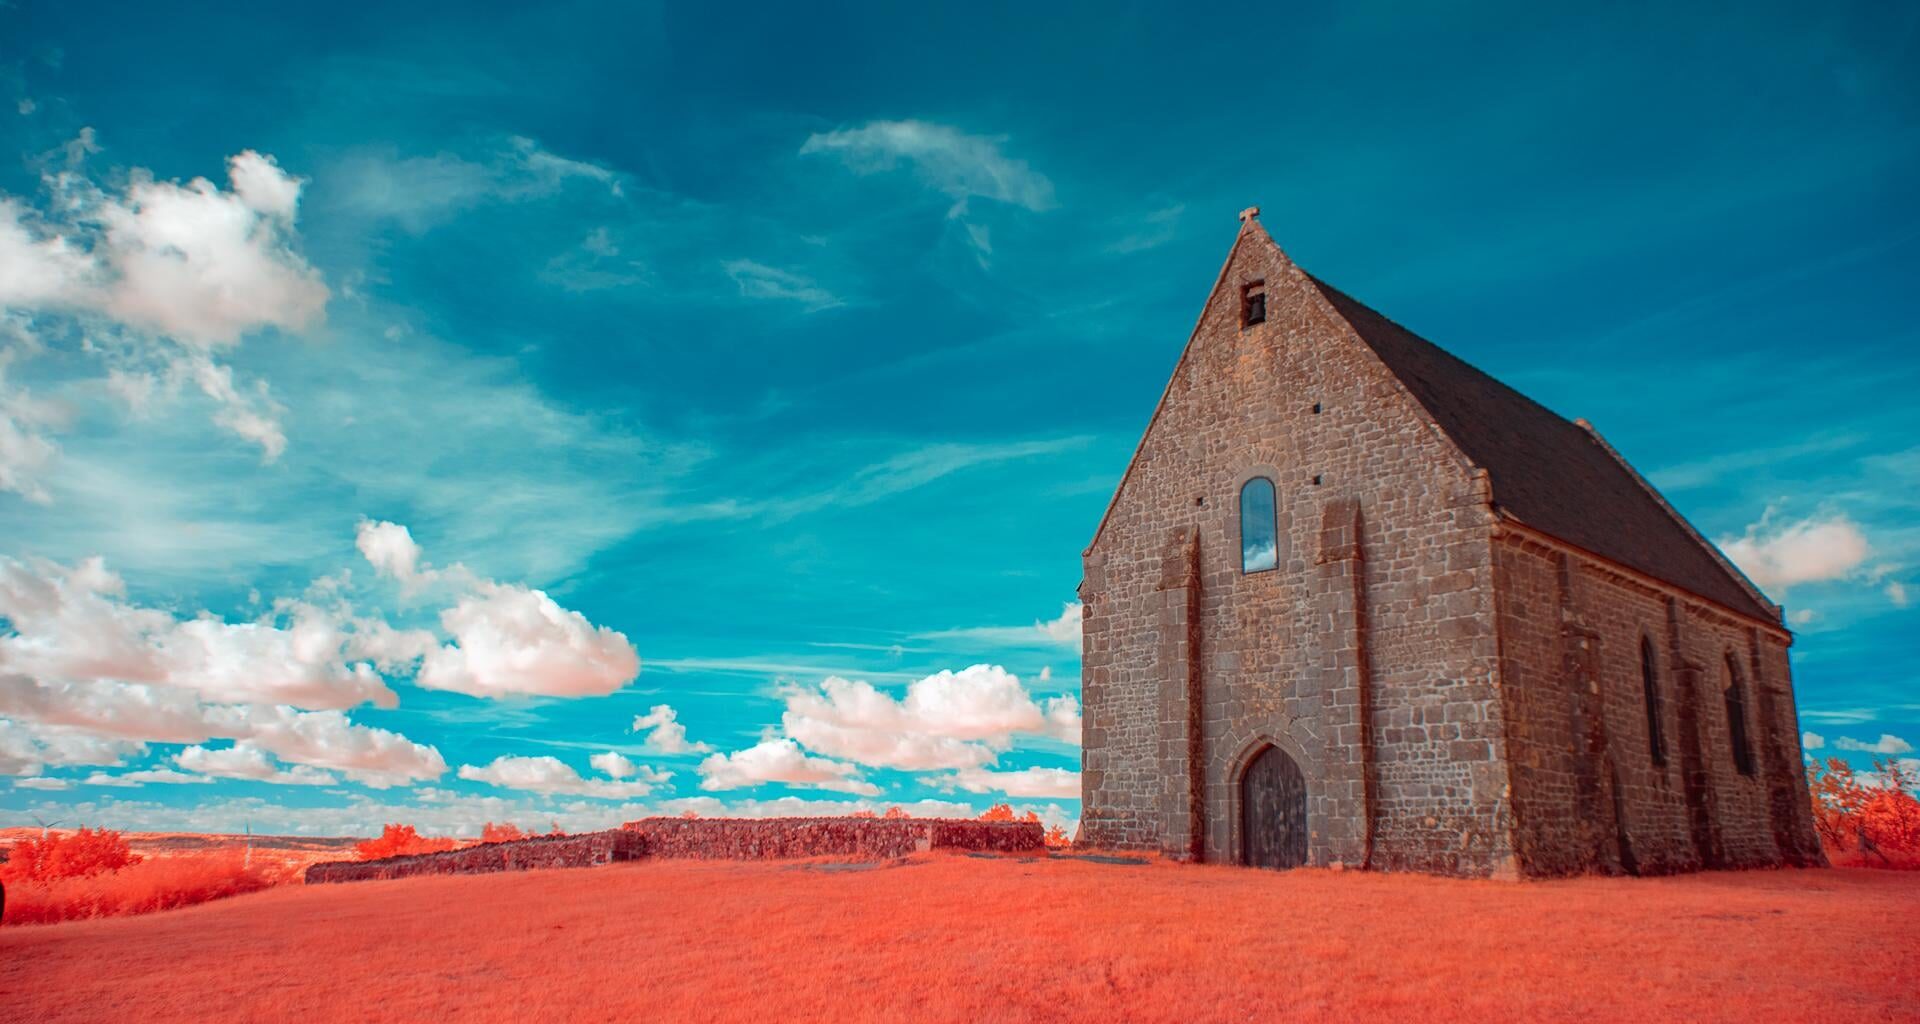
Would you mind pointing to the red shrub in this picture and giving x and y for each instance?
(74, 855)
(998, 812)
(862, 814)
(1057, 838)
(895, 813)
(491, 833)
(140, 887)
(400, 841)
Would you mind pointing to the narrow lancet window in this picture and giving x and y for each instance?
(1259, 530)
(1650, 680)
(1737, 719)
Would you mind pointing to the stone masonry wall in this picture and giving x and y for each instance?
(573, 851)
(706, 839)
(1588, 792)
(1376, 632)
(862, 838)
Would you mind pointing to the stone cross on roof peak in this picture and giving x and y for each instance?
(1250, 213)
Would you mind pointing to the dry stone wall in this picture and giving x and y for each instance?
(706, 839)
(572, 851)
(859, 838)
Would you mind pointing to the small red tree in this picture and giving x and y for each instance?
(895, 812)
(1889, 818)
(504, 833)
(1057, 837)
(80, 854)
(998, 812)
(1876, 824)
(1837, 800)
(400, 841)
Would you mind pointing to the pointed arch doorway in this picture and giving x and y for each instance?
(1273, 812)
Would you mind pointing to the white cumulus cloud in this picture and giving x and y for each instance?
(946, 720)
(511, 639)
(247, 761)
(1778, 556)
(781, 760)
(1886, 744)
(664, 732)
(507, 638)
(1024, 782)
(159, 276)
(73, 624)
(551, 775)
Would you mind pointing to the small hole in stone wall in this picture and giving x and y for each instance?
(1316, 408)
(1316, 479)
(1199, 501)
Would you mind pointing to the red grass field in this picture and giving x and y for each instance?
(959, 938)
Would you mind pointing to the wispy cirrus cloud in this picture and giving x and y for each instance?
(759, 281)
(1062, 630)
(420, 192)
(960, 165)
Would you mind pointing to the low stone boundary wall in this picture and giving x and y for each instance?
(575, 851)
(706, 839)
(865, 838)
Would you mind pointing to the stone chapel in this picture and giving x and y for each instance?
(1357, 603)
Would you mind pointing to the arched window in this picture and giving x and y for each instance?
(1650, 681)
(1259, 530)
(1737, 719)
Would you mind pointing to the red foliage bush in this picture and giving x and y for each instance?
(400, 841)
(895, 814)
(1865, 825)
(504, 833)
(55, 856)
(139, 887)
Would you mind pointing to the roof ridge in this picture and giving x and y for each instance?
(1713, 549)
(1553, 474)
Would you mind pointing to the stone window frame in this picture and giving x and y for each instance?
(1655, 704)
(1739, 725)
(1248, 474)
(1240, 522)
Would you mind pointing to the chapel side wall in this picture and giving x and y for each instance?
(1588, 795)
(1554, 759)
(1270, 653)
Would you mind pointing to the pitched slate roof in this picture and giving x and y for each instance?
(1552, 475)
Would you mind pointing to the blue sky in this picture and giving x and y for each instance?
(798, 346)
